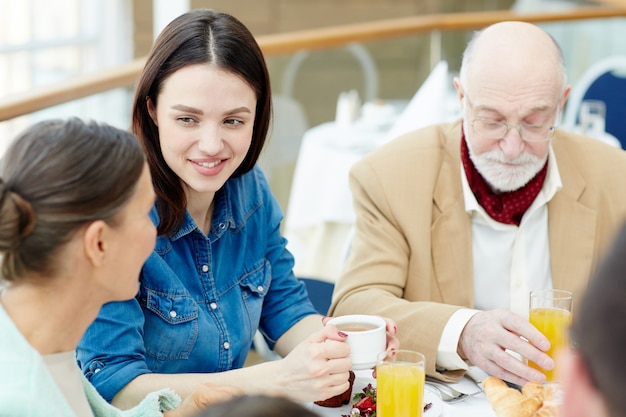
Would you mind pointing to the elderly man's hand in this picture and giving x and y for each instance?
(489, 333)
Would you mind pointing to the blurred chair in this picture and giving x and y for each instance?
(320, 294)
(605, 81)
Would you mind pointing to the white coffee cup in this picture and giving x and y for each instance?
(367, 338)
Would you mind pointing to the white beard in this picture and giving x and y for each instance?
(510, 177)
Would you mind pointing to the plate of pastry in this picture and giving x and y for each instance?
(534, 399)
(359, 400)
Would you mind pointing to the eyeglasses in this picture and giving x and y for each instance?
(497, 130)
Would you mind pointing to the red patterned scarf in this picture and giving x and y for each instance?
(506, 207)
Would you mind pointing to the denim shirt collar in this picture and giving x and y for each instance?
(231, 209)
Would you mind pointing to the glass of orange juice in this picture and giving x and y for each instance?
(400, 384)
(551, 314)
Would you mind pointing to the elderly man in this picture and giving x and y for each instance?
(456, 223)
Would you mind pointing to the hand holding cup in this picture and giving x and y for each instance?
(367, 338)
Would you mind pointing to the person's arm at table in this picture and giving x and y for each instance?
(375, 279)
(314, 369)
(487, 336)
(459, 334)
(317, 368)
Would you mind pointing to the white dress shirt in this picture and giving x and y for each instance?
(509, 261)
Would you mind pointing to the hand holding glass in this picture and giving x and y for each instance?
(551, 314)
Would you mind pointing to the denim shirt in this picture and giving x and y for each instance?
(201, 298)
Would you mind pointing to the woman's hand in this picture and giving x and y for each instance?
(317, 368)
(202, 396)
(393, 343)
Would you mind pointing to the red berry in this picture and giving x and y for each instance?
(366, 404)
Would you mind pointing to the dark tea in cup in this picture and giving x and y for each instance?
(356, 327)
(367, 337)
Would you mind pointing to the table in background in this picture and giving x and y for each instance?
(319, 218)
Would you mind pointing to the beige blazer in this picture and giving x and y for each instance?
(411, 254)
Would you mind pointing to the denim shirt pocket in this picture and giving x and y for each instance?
(254, 287)
(171, 327)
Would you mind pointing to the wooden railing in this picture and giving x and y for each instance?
(283, 43)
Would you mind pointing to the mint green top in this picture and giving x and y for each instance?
(28, 389)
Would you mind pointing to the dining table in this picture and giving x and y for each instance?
(475, 405)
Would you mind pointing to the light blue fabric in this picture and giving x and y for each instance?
(202, 298)
(27, 389)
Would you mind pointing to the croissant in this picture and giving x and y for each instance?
(535, 400)
(509, 402)
(534, 389)
(552, 399)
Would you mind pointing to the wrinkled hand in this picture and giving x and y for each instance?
(488, 334)
(202, 396)
(317, 368)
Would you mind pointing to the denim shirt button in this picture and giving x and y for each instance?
(260, 288)
(222, 226)
(226, 345)
(213, 306)
(205, 268)
(95, 371)
(173, 314)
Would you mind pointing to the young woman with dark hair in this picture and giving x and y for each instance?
(220, 269)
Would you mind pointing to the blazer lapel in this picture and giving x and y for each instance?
(571, 228)
(451, 228)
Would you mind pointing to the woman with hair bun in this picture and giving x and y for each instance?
(75, 230)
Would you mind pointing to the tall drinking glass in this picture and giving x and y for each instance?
(593, 117)
(400, 384)
(551, 314)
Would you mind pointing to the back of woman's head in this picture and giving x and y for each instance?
(201, 36)
(257, 406)
(56, 177)
(599, 327)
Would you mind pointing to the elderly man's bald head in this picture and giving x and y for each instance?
(513, 49)
(512, 76)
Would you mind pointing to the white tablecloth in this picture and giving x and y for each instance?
(326, 155)
(474, 406)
